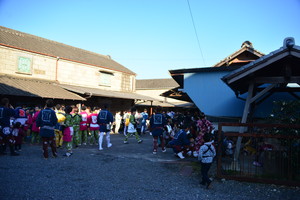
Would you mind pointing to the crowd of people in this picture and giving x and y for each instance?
(188, 134)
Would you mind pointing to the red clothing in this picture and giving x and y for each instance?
(84, 122)
(92, 120)
(18, 134)
(34, 118)
(28, 123)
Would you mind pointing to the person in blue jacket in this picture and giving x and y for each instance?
(157, 124)
(6, 112)
(180, 143)
(47, 120)
(105, 120)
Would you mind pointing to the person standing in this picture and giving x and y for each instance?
(68, 131)
(206, 155)
(132, 127)
(83, 127)
(157, 124)
(118, 120)
(47, 120)
(144, 121)
(104, 119)
(76, 125)
(94, 127)
(6, 112)
(35, 130)
(60, 114)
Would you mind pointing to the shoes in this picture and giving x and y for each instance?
(54, 155)
(84, 143)
(125, 142)
(154, 152)
(164, 150)
(195, 154)
(100, 149)
(180, 155)
(140, 141)
(257, 164)
(208, 186)
(202, 183)
(68, 154)
(189, 153)
(109, 145)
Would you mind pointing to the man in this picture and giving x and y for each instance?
(46, 121)
(6, 112)
(157, 124)
(132, 127)
(104, 119)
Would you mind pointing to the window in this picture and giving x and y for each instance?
(105, 78)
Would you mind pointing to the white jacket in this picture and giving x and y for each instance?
(207, 153)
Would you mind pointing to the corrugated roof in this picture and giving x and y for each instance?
(156, 83)
(107, 93)
(24, 41)
(15, 86)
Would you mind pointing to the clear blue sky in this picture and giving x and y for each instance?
(151, 37)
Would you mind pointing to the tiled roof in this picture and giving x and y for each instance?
(246, 47)
(156, 84)
(24, 41)
(106, 93)
(15, 86)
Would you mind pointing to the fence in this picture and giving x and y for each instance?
(269, 153)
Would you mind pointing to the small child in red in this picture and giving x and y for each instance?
(18, 134)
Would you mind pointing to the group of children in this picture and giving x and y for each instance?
(187, 136)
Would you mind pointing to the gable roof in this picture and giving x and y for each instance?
(280, 66)
(156, 84)
(27, 42)
(244, 55)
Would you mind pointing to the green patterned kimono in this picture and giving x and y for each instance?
(77, 134)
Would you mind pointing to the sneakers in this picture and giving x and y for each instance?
(154, 152)
(164, 150)
(125, 142)
(208, 186)
(68, 154)
(195, 154)
(140, 141)
(257, 164)
(180, 155)
(100, 149)
(109, 145)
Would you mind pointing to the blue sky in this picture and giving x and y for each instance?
(151, 37)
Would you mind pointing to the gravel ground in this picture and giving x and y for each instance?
(124, 171)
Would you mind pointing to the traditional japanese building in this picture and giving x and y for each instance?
(34, 68)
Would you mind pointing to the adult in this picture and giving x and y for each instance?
(47, 120)
(6, 112)
(118, 120)
(157, 124)
(104, 119)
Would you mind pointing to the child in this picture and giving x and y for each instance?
(94, 127)
(18, 134)
(35, 129)
(180, 143)
(206, 154)
(76, 120)
(132, 128)
(83, 127)
(68, 131)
